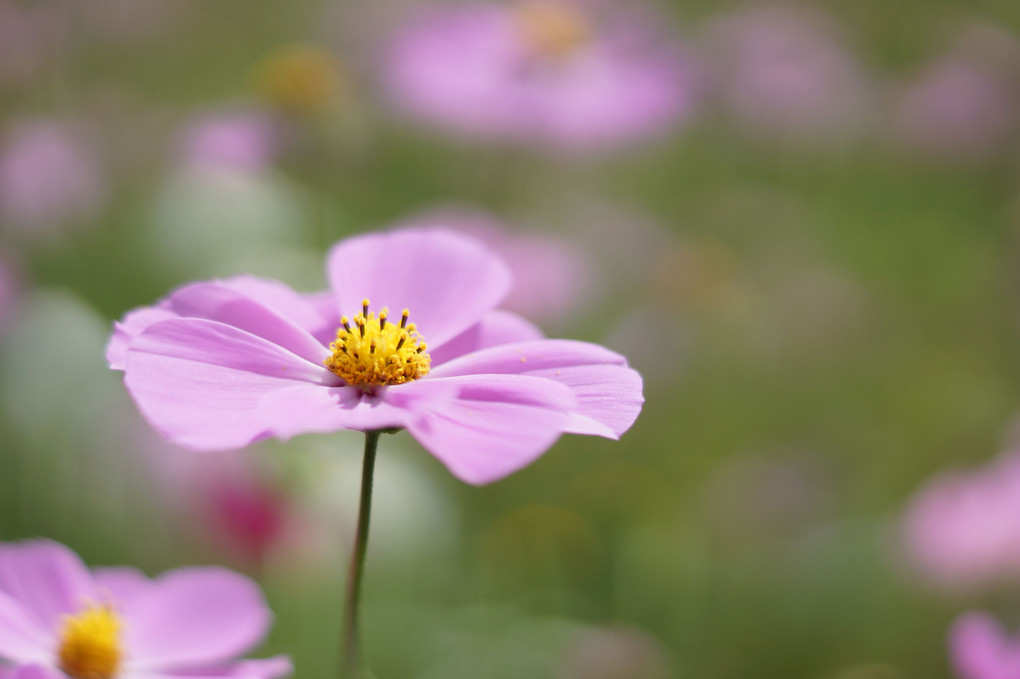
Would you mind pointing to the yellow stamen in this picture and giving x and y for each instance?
(552, 27)
(378, 353)
(90, 644)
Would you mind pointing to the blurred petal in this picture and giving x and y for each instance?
(22, 638)
(496, 425)
(193, 617)
(268, 668)
(34, 672)
(447, 281)
(46, 578)
(980, 649)
(120, 586)
(199, 382)
(608, 393)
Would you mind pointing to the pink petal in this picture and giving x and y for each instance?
(34, 672)
(316, 313)
(193, 617)
(225, 304)
(129, 327)
(265, 308)
(499, 327)
(981, 650)
(496, 425)
(120, 586)
(22, 637)
(199, 382)
(309, 408)
(447, 281)
(46, 578)
(268, 668)
(608, 393)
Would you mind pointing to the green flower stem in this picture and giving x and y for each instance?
(351, 640)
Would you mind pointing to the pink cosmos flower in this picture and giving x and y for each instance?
(963, 528)
(981, 649)
(550, 73)
(58, 620)
(220, 364)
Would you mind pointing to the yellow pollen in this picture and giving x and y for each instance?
(90, 644)
(553, 28)
(375, 352)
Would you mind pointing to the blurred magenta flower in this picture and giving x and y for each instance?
(553, 280)
(239, 141)
(781, 71)
(221, 364)
(58, 620)
(981, 649)
(962, 529)
(48, 176)
(958, 108)
(563, 75)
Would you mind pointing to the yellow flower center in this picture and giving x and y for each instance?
(299, 79)
(553, 28)
(371, 351)
(90, 644)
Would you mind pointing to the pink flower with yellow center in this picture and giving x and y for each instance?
(409, 337)
(558, 74)
(58, 620)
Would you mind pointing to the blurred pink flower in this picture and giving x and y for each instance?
(552, 277)
(58, 620)
(957, 108)
(981, 649)
(241, 141)
(781, 71)
(48, 176)
(555, 74)
(962, 529)
(230, 502)
(486, 396)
